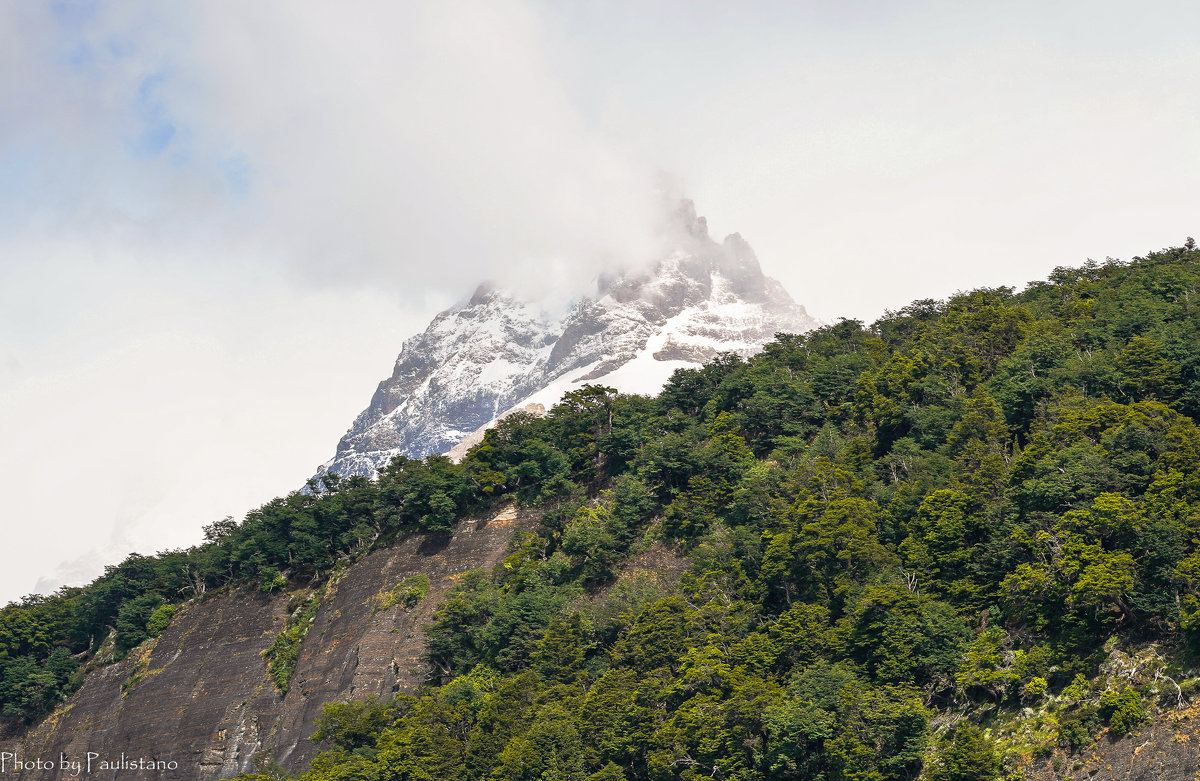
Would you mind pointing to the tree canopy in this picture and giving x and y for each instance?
(893, 536)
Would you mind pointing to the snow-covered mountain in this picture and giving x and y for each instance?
(496, 352)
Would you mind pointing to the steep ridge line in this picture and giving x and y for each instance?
(497, 352)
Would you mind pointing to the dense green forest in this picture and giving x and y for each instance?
(893, 539)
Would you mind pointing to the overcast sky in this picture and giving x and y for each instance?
(220, 220)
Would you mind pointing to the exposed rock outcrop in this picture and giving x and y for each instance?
(1167, 750)
(199, 695)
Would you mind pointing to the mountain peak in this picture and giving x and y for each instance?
(684, 216)
(482, 293)
(496, 353)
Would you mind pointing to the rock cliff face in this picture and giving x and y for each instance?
(496, 352)
(199, 696)
(1167, 750)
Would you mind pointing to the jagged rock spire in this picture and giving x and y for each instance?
(496, 352)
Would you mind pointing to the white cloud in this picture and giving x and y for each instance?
(417, 145)
(225, 218)
(219, 220)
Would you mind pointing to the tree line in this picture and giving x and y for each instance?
(895, 538)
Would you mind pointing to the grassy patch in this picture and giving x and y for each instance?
(141, 668)
(407, 593)
(282, 654)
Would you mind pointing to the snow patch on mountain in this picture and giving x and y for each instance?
(495, 352)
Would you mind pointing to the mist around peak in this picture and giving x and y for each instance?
(500, 349)
(674, 233)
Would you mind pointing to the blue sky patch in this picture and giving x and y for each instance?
(237, 172)
(74, 14)
(158, 130)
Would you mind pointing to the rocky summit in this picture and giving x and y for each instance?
(497, 352)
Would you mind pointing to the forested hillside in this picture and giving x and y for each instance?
(943, 545)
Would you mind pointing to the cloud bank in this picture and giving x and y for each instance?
(422, 146)
(219, 220)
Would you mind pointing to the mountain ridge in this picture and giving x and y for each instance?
(495, 352)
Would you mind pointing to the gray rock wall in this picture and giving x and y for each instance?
(199, 695)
